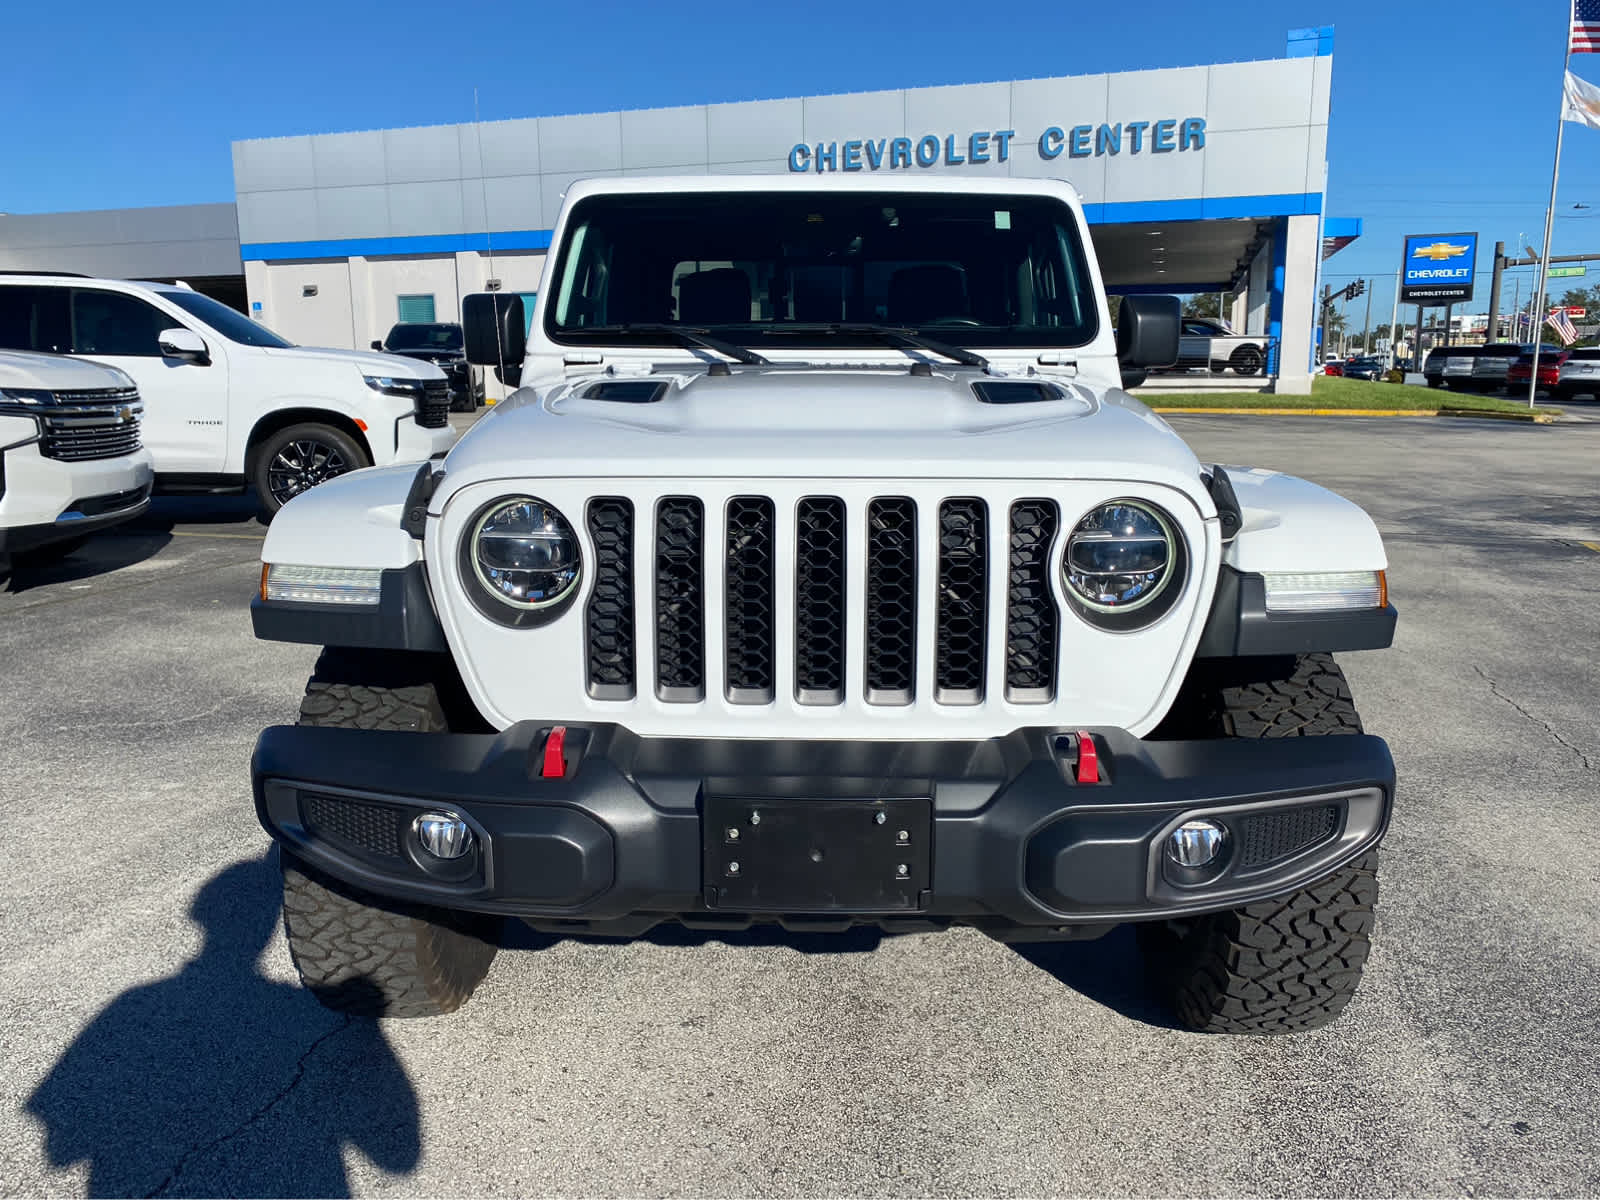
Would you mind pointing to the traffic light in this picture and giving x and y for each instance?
(1354, 289)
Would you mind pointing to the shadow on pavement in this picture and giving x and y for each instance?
(861, 939)
(219, 1081)
(166, 512)
(1109, 970)
(100, 555)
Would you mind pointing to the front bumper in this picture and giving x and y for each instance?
(617, 843)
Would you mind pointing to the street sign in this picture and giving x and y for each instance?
(1567, 272)
(1438, 268)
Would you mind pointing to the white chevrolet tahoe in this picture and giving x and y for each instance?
(229, 403)
(70, 459)
(820, 572)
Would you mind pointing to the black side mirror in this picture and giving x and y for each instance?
(496, 329)
(1147, 331)
(509, 375)
(377, 345)
(1133, 377)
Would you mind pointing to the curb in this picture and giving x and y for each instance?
(1536, 418)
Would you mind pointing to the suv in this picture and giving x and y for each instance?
(1553, 362)
(228, 402)
(820, 572)
(1491, 366)
(1208, 342)
(442, 345)
(70, 459)
(1451, 367)
(1579, 375)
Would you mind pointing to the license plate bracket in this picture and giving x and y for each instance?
(815, 856)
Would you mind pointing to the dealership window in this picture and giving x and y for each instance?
(115, 324)
(416, 310)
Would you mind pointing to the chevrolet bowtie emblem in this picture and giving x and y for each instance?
(1439, 251)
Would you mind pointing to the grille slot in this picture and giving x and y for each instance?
(749, 600)
(610, 611)
(1031, 618)
(819, 616)
(1266, 838)
(962, 609)
(375, 828)
(891, 632)
(680, 599)
(433, 406)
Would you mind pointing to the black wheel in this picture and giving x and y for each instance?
(1246, 360)
(297, 458)
(356, 952)
(1288, 964)
(54, 552)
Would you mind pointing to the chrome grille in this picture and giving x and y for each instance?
(90, 424)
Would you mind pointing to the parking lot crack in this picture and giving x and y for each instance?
(1495, 689)
(282, 1094)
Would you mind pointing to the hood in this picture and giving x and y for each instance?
(57, 372)
(433, 355)
(371, 362)
(775, 422)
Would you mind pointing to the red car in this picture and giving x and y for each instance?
(1549, 371)
(1333, 368)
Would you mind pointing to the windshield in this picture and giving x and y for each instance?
(424, 337)
(231, 324)
(782, 269)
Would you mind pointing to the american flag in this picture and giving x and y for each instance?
(1585, 27)
(1562, 324)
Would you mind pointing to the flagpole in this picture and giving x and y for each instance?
(1550, 215)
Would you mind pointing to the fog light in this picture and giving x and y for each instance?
(443, 835)
(1196, 843)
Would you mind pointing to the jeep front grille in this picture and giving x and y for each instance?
(747, 560)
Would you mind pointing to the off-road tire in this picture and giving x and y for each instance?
(1289, 964)
(359, 953)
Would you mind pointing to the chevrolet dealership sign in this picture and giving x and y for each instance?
(985, 145)
(1439, 268)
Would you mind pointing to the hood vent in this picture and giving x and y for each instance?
(627, 391)
(1015, 391)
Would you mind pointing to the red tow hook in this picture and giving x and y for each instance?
(555, 758)
(1088, 758)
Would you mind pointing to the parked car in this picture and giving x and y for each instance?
(1551, 362)
(440, 344)
(1208, 342)
(228, 403)
(1333, 366)
(1579, 374)
(823, 622)
(1364, 368)
(1451, 366)
(1491, 365)
(70, 459)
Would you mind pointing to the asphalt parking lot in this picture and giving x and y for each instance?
(155, 1042)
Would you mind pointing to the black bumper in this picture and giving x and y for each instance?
(1006, 837)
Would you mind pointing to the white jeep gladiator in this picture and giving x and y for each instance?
(820, 572)
(70, 459)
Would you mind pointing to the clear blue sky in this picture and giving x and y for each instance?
(1440, 125)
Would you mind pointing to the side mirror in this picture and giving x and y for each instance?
(1147, 331)
(377, 345)
(185, 344)
(509, 375)
(496, 329)
(1133, 377)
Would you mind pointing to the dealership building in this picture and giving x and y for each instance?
(1205, 179)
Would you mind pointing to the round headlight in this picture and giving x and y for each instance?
(1121, 562)
(525, 557)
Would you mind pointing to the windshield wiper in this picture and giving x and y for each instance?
(896, 335)
(686, 335)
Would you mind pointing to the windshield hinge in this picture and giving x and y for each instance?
(1055, 363)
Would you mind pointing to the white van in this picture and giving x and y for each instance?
(70, 459)
(229, 403)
